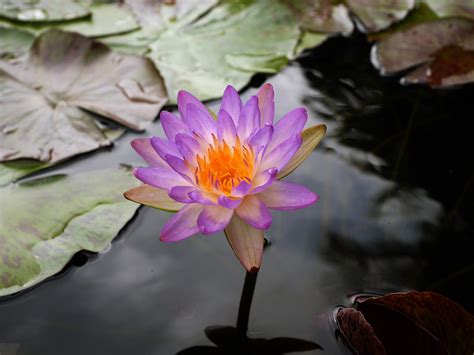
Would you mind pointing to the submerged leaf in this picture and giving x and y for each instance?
(42, 10)
(43, 223)
(448, 60)
(42, 96)
(226, 46)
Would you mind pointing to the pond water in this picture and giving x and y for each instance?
(395, 177)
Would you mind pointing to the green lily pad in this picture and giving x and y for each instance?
(43, 223)
(42, 10)
(44, 97)
(228, 45)
(14, 43)
(105, 20)
(447, 60)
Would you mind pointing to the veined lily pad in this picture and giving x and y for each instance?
(105, 20)
(447, 60)
(42, 97)
(43, 223)
(226, 46)
(42, 10)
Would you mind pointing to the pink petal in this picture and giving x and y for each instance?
(278, 157)
(185, 99)
(261, 138)
(246, 242)
(266, 104)
(188, 147)
(200, 122)
(182, 225)
(164, 147)
(163, 178)
(172, 125)
(249, 120)
(225, 127)
(241, 189)
(214, 219)
(287, 196)
(263, 180)
(181, 193)
(178, 165)
(254, 212)
(228, 202)
(144, 148)
(153, 197)
(204, 198)
(231, 103)
(290, 125)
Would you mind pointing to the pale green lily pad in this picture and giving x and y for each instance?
(14, 43)
(226, 46)
(452, 8)
(43, 223)
(105, 20)
(42, 10)
(47, 97)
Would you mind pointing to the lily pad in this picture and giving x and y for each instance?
(14, 43)
(321, 16)
(377, 15)
(105, 20)
(44, 94)
(226, 46)
(452, 8)
(42, 10)
(43, 223)
(448, 60)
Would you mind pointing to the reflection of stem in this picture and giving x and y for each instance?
(246, 303)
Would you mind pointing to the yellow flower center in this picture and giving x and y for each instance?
(223, 167)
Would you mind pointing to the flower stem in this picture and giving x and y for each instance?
(246, 303)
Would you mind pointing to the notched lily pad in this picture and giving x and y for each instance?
(42, 10)
(441, 52)
(45, 96)
(43, 223)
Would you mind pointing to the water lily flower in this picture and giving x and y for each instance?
(225, 174)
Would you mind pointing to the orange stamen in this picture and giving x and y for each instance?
(223, 167)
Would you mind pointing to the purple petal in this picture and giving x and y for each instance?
(278, 157)
(172, 125)
(185, 99)
(144, 148)
(163, 178)
(181, 193)
(287, 196)
(225, 127)
(180, 167)
(249, 120)
(204, 198)
(241, 189)
(266, 104)
(228, 202)
(261, 138)
(253, 211)
(290, 125)
(182, 225)
(187, 146)
(164, 147)
(200, 123)
(214, 219)
(263, 180)
(231, 103)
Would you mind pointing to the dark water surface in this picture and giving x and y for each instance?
(395, 176)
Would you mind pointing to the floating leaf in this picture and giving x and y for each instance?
(448, 60)
(452, 8)
(377, 15)
(43, 223)
(14, 43)
(226, 46)
(321, 16)
(427, 322)
(105, 20)
(42, 96)
(42, 10)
